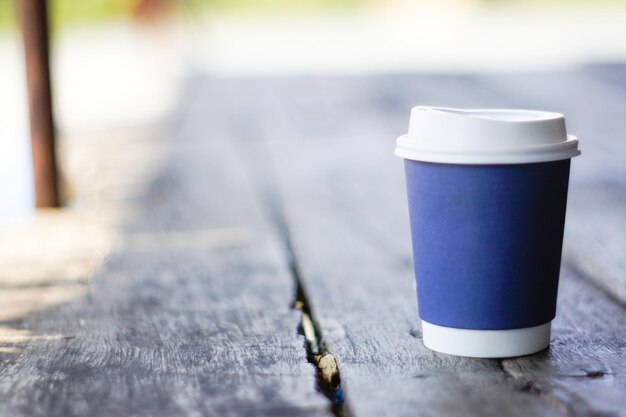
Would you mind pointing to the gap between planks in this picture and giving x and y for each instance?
(257, 164)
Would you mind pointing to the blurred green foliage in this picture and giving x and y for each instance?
(64, 12)
(73, 11)
(6, 13)
(271, 5)
(535, 3)
(80, 11)
(68, 11)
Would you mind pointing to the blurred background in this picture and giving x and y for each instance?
(118, 65)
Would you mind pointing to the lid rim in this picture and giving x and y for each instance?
(452, 160)
(534, 153)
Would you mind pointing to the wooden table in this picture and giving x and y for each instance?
(282, 196)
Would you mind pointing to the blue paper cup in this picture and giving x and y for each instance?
(487, 192)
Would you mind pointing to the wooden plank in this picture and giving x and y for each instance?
(189, 315)
(331, 142)
(584, 371)
(34, 22)
(353, 269)
(594, 103)
(613, 73)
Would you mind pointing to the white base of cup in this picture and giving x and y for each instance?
(486, 343)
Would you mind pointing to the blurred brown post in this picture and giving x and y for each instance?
(33, 17)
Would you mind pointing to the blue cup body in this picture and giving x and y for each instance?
(487, 242)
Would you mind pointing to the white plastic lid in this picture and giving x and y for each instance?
(485, 136)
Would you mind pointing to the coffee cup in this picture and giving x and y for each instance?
(487, 193)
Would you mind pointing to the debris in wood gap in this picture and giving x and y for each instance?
(339, 397)
(328, 366)
(309, 333)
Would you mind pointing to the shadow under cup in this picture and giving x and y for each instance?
(487, 242)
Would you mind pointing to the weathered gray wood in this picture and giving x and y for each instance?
(355, 272)
(331, 142)
(190, 315)
(614, 73)
(584, 372)
(594, 103)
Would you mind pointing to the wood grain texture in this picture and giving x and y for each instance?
(331, 144)
(584, 372)
(189, 316)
